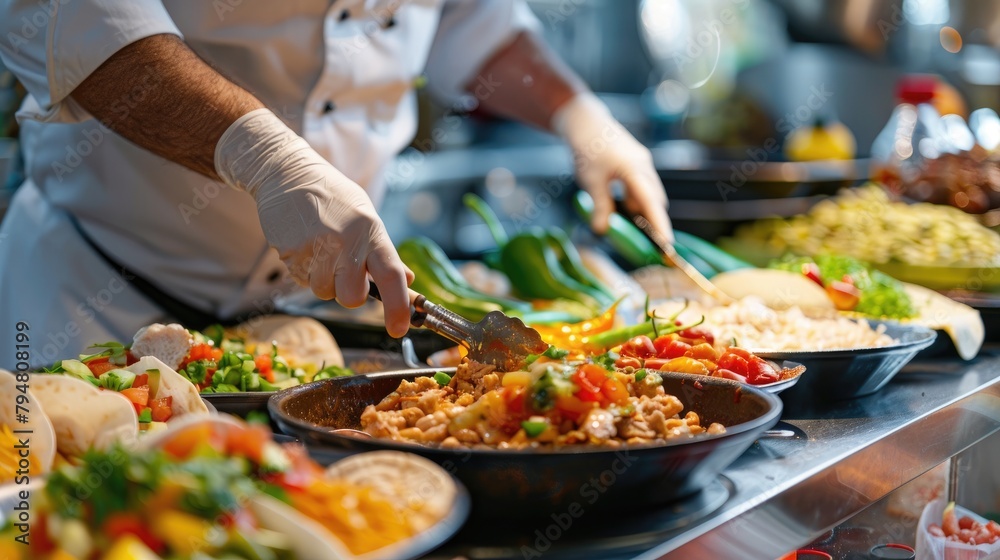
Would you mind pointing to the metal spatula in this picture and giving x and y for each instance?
(499, 340)
(671, 256)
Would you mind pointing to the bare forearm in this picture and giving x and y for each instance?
(531, 82)
(159, 95)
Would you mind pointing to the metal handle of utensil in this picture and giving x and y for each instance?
(433, 317)
(417, 316)
(672, 258)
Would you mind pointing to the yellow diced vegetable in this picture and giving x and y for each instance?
(129, 547)
(183, 533)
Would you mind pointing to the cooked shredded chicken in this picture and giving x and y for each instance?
(481, 408)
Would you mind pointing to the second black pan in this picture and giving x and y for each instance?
(539, 483)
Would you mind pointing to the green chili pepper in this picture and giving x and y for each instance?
(479, 206)
(534, 428)
(615, 337)
(533, 268)
(438, 279)
(541, 265)
(442, 378)
(626, 239)
(570, 260)
(430, 281)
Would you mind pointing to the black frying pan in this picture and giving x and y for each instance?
(541, 483)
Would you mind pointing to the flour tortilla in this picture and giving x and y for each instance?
(417, 485)
(779, 289)
(300, 339)
(43, 435)
(309, 539)
(84, 416)
(186, 399)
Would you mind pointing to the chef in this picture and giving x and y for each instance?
(185, 158)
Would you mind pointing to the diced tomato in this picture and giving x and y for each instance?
(593, 372)
(203, 352)
(141, 380)
(264, 366)
(639, 347)
(631, 362)
(844, 296)
(186, 441)
(760, 372)
(248, 441)
(703, 351)
(40, 543)
(99, 366)
(162, 409)
(139, 397)
(994, 528)
(587, 395)
(669, 347)
(118, 525)
(811, 271)
(729, 374)
(614, 391)
(514, 397)
(734, 362)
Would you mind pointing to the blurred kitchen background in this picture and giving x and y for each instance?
(713, 87)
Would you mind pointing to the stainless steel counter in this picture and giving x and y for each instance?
(835, 460)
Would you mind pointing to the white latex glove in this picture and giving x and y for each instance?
(604, 151)
(322, 224)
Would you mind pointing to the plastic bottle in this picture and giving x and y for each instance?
(912, 136)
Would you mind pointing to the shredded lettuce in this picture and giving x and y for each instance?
(881, 294)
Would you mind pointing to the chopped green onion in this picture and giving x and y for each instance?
(641, 374)
(533, 428)
(555, 353)
(606, 360)
(442, 378)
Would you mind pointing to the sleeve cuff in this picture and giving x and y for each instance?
(78, 37)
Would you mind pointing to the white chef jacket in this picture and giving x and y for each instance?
(341, 73)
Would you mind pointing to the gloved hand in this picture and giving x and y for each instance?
(604, 151)
(322, 224)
